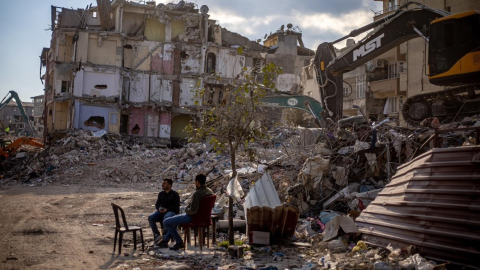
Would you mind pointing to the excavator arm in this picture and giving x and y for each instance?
(13, 95)
(299, 102)
(389, 32)
(11, 149)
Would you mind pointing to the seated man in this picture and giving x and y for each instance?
(167, 205)
(171, 223)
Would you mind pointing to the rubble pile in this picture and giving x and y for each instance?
(84, 157)
(327, 174)
(348, 166)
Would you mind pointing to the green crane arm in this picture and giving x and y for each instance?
(304, 103)
(14, 95)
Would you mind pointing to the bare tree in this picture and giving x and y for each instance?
(236, 121)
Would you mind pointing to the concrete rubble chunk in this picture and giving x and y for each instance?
(171, 265)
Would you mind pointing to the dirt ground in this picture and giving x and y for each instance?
(68, 227)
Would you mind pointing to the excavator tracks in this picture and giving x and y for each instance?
(419, 107)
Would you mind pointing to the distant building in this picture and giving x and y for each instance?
(11, 116)
(404, 68)
(287, 51)
(38, 109)
(381, 86)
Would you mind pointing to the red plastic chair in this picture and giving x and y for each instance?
(201, 220)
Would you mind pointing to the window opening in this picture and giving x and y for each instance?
(360, 86)
(392, 71)
(65, 86)
(95, 121)
(100, 86)
(392, 105)
(211, 62)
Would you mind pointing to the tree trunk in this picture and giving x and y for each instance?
(230, 200)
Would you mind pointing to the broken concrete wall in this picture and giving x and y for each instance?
(63, 79)
(287, 44)
(136, 55)
(215, 33)
(165, 124)
(65, 47)
(309, 83)
(231, 38)
(160, 90)
(137, 87)
(133, 21)
(70, 18)
(148, 122)
(191, 59)
(229, 63)
(94, 117)
(60, 116)
(162, 60)
(187, 94)
(284, 61)
(177, 27)
(93, 19)
(97, 82)
(301, 62)
(102, 49)
(152, 123)
(81, 53)
(154, 30)
(136, 121)
(287, 82)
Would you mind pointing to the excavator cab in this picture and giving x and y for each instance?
(454, 49)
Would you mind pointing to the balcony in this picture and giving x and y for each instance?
(385, 86)
(384, 12)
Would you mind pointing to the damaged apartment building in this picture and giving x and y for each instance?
(129, 68)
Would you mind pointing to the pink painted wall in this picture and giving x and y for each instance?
(165, 118)
(161, 65)
(156, 63)
(137, 116)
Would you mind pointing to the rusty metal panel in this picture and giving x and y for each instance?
(432, 202)
(280, 222)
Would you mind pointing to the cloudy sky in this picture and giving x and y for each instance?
(23, 24)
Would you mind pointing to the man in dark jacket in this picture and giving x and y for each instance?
(170, 224)
(167, 205)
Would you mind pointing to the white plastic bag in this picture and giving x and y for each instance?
(234, 189)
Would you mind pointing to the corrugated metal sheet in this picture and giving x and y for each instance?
(432, 202)
(280, 222)
(262, 194)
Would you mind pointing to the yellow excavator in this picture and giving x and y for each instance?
(453, 60)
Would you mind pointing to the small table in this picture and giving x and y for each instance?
(215, 218)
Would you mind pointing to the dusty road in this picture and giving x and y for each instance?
(57, 227)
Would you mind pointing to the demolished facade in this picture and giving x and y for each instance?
(129, 68)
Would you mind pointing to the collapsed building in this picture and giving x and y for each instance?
(130, 68)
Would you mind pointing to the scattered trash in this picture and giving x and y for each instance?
(339, 225)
